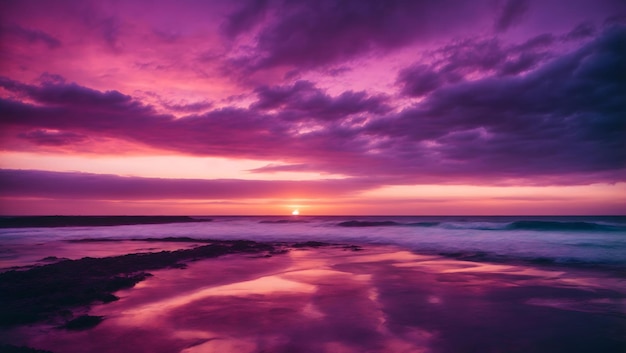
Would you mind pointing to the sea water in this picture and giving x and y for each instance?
(533, 284)
(561, 240)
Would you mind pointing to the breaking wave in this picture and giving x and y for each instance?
(531, 225)
(567, 226)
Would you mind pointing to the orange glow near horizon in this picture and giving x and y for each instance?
(152, 166)
(454, 200)
(384, 200)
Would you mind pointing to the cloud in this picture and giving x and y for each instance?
(491, 56)
(303, 100)
(71, 185)
(307, 123)
(187, 107)
(31, 36)
(274, 168)
(564, 117)
(522, 63)
(538, 42)
(560, 122)
(314, 33)
(581, 31)
(463, 59)
(242, 20)
(100, 22)
(510, 13)
(419, 80)
(58, 93)
(228, 132)
(52, 138)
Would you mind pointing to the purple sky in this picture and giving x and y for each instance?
(328, 106)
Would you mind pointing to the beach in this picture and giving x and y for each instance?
(273, 296)
(322, 176)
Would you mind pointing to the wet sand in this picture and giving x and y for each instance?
(332, 299)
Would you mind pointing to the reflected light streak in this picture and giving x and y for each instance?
(330, 300)
(262, 286)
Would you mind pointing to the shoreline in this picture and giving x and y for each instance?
(34, 294)
(320, 297)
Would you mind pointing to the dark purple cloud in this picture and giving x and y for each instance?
(67, 185)
(460, 59)
(565, 117)
(318, 32)
(538, 42)
(581, 31)
(521, 63)
(102, 21)
(32, 36)
(304, 101)
(616, 19)
(52, 138)
(187, 107)
(234, 132)
(58, 93)
(251, 13)
(510, 13)
(561, 122)
(419, 80)
(491, 56)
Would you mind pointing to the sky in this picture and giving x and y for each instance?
(352, 107)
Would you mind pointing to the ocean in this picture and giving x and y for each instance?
(405, 284)
(570, 240)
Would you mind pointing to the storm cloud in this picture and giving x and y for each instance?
(372, 93)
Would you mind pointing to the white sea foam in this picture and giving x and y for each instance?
(572, 239)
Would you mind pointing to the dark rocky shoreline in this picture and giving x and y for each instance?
(50, 292)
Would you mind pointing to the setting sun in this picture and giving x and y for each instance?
(461, 170)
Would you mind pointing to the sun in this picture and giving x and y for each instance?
(295, 212)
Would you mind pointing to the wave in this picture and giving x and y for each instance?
(605, 245)
(284, 221)
(567, 226)
(491, 257)
(423, 224)
(532, 225)
(386, 224)
(368, 224)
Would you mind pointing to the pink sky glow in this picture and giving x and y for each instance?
(330, 107)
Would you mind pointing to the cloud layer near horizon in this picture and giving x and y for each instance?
(392, 92)
(72, 185)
